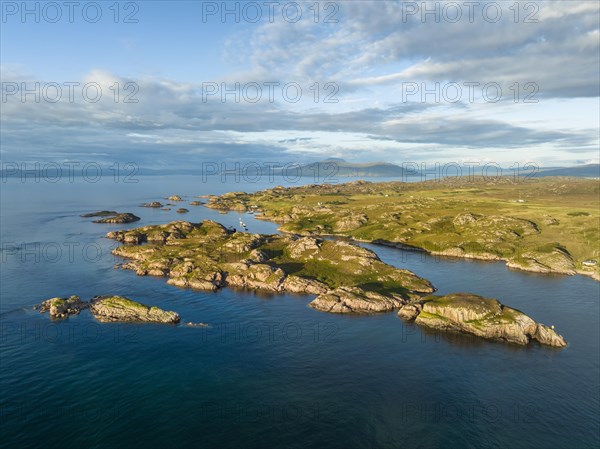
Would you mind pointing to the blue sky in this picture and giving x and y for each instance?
(369, 57)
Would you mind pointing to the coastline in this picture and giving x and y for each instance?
(550, 232)
(472, 256)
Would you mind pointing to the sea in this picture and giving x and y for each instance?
(267, 371)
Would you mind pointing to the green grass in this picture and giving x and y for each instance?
(514, 217)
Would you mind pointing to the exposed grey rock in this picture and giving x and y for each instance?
(355, 300)
(118, 308)
(483, 317)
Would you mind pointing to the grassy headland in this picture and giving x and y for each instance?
(542, 225)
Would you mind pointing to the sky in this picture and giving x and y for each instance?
(172, 84)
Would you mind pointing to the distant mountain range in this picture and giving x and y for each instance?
(339, 167)
(585, 171)
(322, 171)
(335, 167)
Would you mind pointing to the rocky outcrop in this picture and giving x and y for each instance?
(547, 336)
(196, 203)
(62, 307)
(355, 300)
(350, 221)
(152, 204)
(256, 276)
(197, 280)
(119, 218)
(207, 256)
(175, 198)
(483, 317)
(182, 210)
(119, 308)
(296, 284)
(160, 234)
(304, 247)
(554, 260)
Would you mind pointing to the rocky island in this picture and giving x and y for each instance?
(345, 278)
(208, 256)
(107, 309)
(483, 317)
(118, 308)
(113, 217)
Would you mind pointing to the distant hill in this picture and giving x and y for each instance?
(584, 171)
(335, 167)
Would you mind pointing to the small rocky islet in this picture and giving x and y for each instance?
(345, 278)
(112, 217)
(108, 309)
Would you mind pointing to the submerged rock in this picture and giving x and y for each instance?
(63, 307)
(119, 308)
(483, 317)
(196, 203)
(182, 210)
(190, 324)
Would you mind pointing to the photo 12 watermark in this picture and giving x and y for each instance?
(70, 12)
(267, 332)
(63, 332)
(68, 92)
(468, 412)
(332, 172)
(468, 92)
(253, 12)
(68, 251)
(69, 171)
(469, 11)
(270, 91)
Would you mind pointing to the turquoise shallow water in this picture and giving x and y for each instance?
(269, 371)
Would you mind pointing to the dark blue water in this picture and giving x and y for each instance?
(269, 371)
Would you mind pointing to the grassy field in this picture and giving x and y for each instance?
(543, 225)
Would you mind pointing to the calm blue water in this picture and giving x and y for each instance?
(269, 371)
